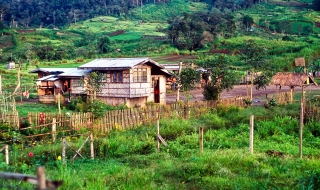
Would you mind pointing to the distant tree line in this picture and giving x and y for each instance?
(60, 12)
(44, 13)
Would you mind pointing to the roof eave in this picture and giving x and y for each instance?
(103, 68)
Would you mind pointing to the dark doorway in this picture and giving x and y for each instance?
(156, 91)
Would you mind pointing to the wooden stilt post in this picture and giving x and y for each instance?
(63, 150)
(251, 133)
(201, 139)
(91, 146)
(158, 133)
(6, 150)
(41, 177)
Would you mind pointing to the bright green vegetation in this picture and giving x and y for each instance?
(128, 159)
(25, 108)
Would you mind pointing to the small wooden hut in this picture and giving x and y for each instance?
(292, 80)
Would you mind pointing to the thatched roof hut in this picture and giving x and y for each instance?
(292, 79)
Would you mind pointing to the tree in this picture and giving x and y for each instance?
(188, 78)
(316, 5)
(186, 32)
(221, 73)
(247, 21)
(92, 83)
(254, 55)
(104, 44)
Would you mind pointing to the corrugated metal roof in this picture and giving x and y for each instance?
(74, 73)
(48, 78)
(51, 70)
(171, 67)
(117, 63)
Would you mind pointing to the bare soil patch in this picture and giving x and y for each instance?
(259, 96)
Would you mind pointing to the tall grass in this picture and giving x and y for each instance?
(129, 159)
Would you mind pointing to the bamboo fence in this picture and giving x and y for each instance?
(120, 119)
(8, 111)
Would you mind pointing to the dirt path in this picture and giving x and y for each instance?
(239, 90)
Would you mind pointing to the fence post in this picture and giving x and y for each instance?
(91, 146)
(251, 133)
(41, 177)
(201, 139)
(54, 129)
(301, 121)
(6, 149)
(64, 150)
(158, 133)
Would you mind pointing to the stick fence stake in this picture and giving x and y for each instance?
(158, 133)
(54, 129)
(251, 133)
(7, 153)
(301, 121)
(201, 139)
(91, 146)
(63, 150)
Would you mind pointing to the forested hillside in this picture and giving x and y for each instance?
(50, 13)
(55, 32)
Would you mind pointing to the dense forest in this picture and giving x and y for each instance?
(51, 13)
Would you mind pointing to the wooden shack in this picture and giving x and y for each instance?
(50, 83)
(130, 81)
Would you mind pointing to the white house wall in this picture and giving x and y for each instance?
(126, 89)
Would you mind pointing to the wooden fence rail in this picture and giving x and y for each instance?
(39, 180)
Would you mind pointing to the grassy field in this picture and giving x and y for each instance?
(129, 160)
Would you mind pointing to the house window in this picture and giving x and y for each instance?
(140, 75)
(77, 83)
(116, 76)
(103, 78)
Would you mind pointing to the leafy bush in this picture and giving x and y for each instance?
(314, 128)
(212, 121)
(310, 180)
(211, 92)
(173, 128)
(278, 126)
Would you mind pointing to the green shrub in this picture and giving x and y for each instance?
(314, 128)
(278, 126)
(212, 121)
(173, 128)
(310, 180)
